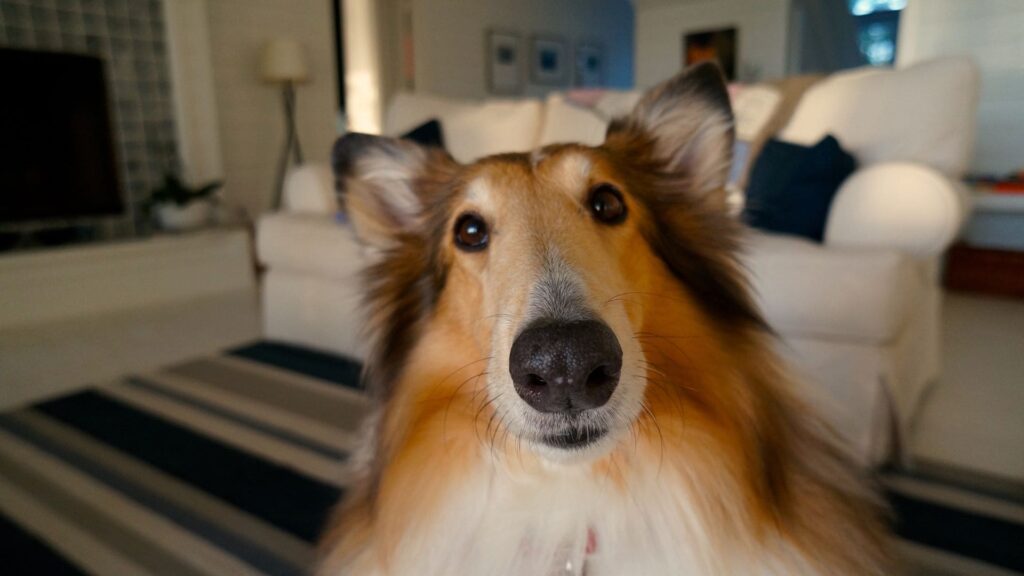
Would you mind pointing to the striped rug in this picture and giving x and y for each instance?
(229, 465)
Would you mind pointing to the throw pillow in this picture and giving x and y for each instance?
(791, 186)
(427, 134)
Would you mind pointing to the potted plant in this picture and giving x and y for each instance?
(178, 206)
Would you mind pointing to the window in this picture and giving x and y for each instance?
(878, 24)
(865, 7)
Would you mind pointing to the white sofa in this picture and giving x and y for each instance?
(858, 315)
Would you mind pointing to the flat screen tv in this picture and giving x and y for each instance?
(56, 144)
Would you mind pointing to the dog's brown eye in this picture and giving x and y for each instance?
(606, 204)
(471, 232)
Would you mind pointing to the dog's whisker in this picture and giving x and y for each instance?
(641, 335)
(661, 436)
(483, 406)
(621, 297)
(667, 390)
(650, 366)
(448, 407)
(499, 426)
(690, 367)
(490, 422)
(504, 438)
(452, 374)
(518, 439)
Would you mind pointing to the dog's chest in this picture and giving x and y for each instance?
(571, 525)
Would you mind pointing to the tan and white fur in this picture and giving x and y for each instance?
(709, 464)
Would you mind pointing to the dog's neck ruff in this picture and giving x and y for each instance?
(577, 524)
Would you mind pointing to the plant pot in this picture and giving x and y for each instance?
(188, 217)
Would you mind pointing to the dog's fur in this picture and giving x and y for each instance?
(711, 465)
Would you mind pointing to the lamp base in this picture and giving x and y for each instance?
(292, 148)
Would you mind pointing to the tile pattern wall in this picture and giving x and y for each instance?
(129, 36)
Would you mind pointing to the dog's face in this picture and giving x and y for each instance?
(541, 246)
(535, 258)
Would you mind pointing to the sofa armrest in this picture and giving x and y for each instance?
(310, 244)
(897, 205)
(309, 189)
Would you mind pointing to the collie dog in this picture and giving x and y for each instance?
(569, 374)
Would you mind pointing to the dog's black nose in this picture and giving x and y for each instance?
(566, 367)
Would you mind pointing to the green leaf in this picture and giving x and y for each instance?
(173, 190)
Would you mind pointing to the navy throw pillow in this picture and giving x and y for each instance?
(791, 187)
(427, 134)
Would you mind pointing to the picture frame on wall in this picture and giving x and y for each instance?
(589, 65)
(504, 62)
(549, 61)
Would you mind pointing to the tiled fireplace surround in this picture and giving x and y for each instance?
(130, 37)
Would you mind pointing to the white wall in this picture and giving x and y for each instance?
(990, 31)
(364, 73)
(249, 112)
(449, 38)
(762, 35)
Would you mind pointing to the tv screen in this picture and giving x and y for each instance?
(56, 143)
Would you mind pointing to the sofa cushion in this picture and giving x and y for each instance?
(791, 187)
(492, 127)
(429, 133)
(616, 103)
(568, 122)
(310, 244)
(583, 115)
(753, 108)
(810, 291)
(408, 110)
(472, 129)
(923, 113)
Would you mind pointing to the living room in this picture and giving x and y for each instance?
(185, 309)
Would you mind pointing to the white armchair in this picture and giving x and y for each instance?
(860, 314)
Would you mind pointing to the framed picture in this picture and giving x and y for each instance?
(717, 45)
(504, 63)
(549, 61)
(589, 59)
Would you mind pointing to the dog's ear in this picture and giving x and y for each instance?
(377, 179)
(686, 124)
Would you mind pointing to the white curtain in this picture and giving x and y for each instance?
(823, 37)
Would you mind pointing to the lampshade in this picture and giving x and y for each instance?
(284, 61)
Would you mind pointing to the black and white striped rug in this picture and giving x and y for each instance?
(230, 464)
